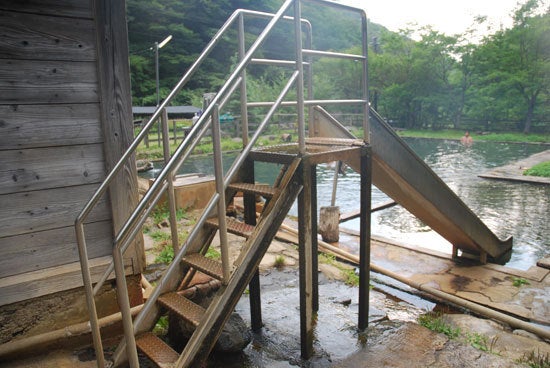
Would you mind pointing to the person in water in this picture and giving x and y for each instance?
(466, 139)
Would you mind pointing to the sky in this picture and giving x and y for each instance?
(446, 16)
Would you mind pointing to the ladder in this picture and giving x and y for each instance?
(297, 162)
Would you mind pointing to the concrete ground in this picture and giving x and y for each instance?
(514, 171)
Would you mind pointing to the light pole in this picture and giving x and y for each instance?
(157, 47)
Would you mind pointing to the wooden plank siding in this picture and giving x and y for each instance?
(60, 8)
(26, 169)
(42, 37)
(28, 126)
(65, 119)
(26, 82)
(34, 251)
(26, 212)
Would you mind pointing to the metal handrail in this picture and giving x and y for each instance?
(237, 78)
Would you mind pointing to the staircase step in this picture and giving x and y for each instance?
(183, 307)
(264, 190)
(281, 154)
(205, 265)
(233, 226)
(156, 350)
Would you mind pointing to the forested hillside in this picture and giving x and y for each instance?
(500, 83)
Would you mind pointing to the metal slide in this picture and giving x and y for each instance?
(406, 178)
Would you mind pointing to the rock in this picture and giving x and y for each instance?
(526, 334)
(234, 337)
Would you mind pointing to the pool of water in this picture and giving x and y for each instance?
(513, 209)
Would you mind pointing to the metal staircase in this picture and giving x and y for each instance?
(298, 162)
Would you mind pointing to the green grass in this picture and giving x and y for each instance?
(213, 254)
(434, 322)
(519, 281)
(166, 255)
(488, 137)
(279, 261)
(542, 169)
(536, 360)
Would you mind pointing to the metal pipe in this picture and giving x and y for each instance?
(275, 62)
(481, 310)
(300, 81)
(335, 183)
(340, 55)
(244, 153)
(244, 97)
(124, 305)
(171, 194)
(133, 233)
(365, 89)
(87, 280)
(220, 189)
(309, 103)
(22, 346)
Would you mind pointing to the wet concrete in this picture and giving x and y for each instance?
(514, 171)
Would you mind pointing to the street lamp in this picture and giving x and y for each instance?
(157, 47)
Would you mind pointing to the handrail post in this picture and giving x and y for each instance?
(244, 97)
(170, 178)
(220, 189)
(365, 91)
(300, 81)
(124, 305)
(87, 280)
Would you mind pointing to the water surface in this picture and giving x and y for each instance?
(513, 209)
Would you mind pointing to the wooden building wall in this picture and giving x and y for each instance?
(65, 119)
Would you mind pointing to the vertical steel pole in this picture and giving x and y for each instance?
(171, 193)
(124, 305)
(244, 98)
(220, 189)
(364, 237)
(366, 107)
(300, 80)
(87, 279)
(157, 71)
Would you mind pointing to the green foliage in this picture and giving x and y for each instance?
(166, 255)
(213, 254)
(434, 322)
(536, 360)
(542, 169)
(456, 134)
(418, 78)
(279, 261)
(478, 341)
(161, 327)
(519, 281)
(160, 236)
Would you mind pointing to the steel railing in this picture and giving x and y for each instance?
(208, 120)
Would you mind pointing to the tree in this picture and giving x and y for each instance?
(513, 65)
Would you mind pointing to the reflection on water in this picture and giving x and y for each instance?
(509, 209)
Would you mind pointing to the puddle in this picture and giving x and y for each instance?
(336, 336)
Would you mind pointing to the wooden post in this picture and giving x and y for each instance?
(305, 261)
(329, 221)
